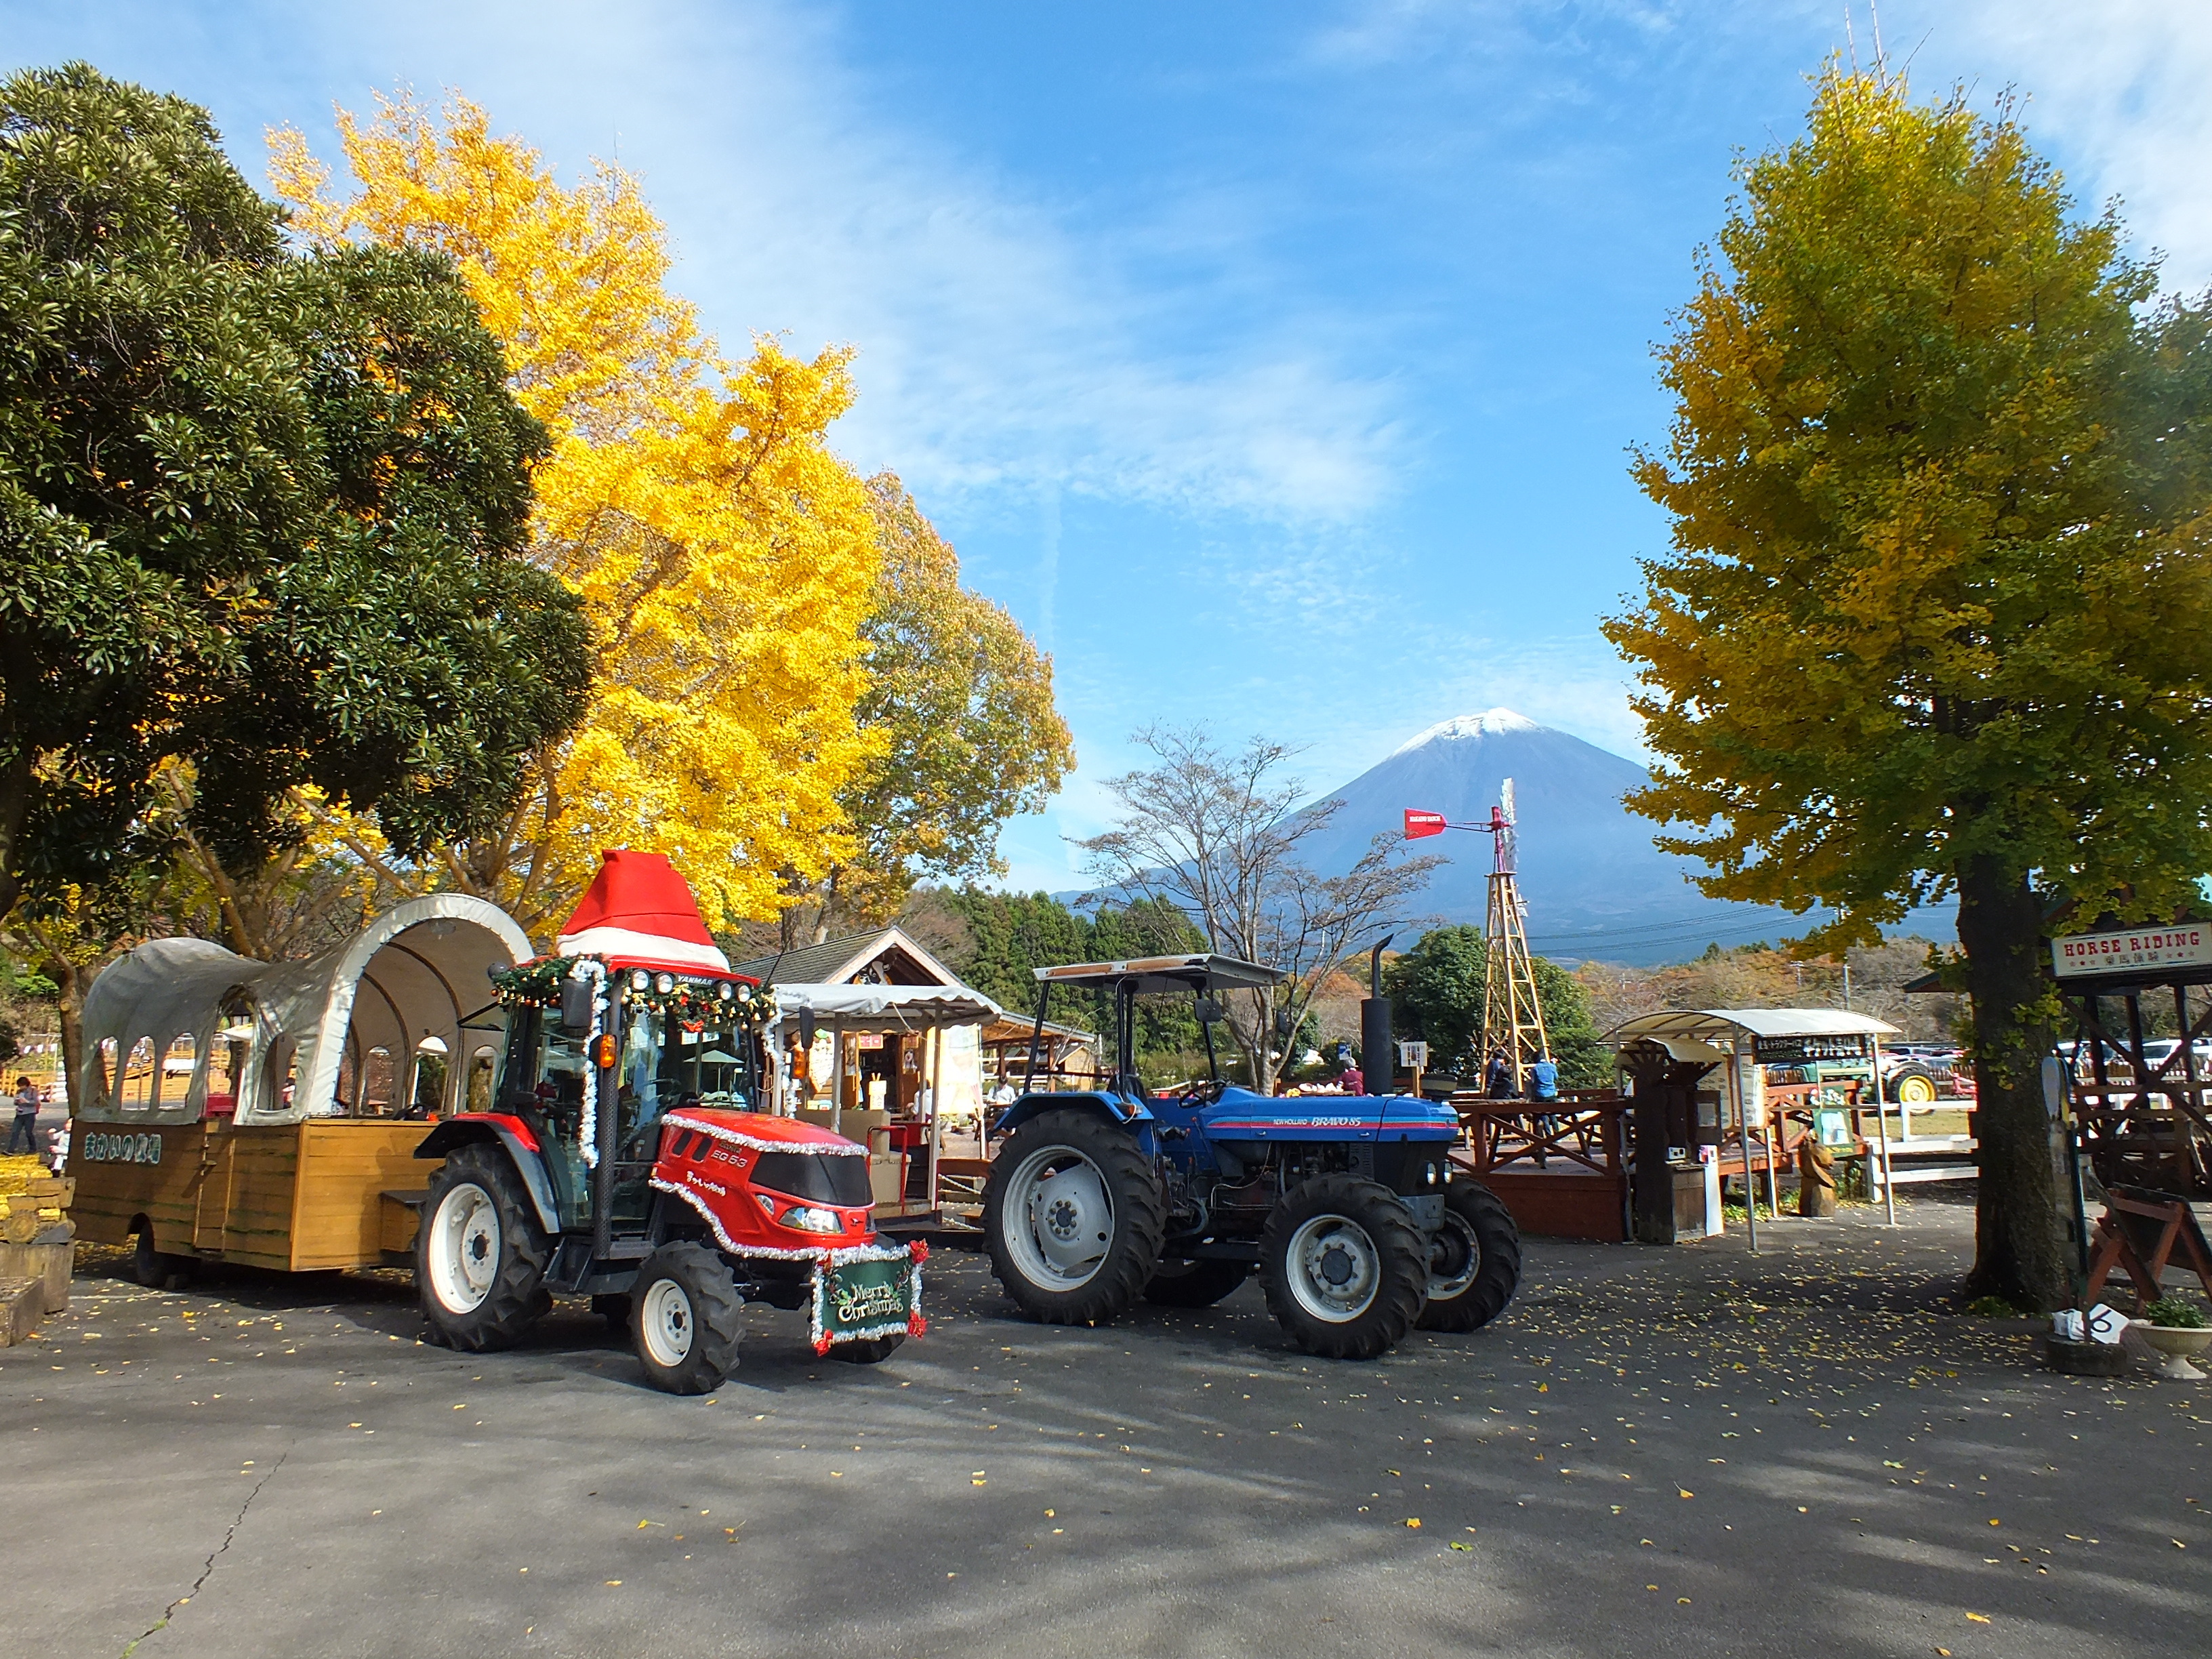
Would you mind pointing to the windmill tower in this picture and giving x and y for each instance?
(1512, 1014)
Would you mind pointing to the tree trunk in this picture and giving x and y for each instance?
(2019, 1252)
(69, 1004)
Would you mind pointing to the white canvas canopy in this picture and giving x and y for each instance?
(887, 1007)
(403, 985)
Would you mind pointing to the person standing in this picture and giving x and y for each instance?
(1497, 1080)
(1544, 1080)
(26, 1127)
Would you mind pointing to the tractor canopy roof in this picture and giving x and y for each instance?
(1198, 973)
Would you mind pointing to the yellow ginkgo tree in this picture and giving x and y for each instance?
(726, 557)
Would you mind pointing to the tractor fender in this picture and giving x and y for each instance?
(1125, 1114)
(503, 1129)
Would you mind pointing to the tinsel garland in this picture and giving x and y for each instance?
(537, 984)
(737, 1137)
(587, 1128)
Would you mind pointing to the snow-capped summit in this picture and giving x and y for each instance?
(1492, 722)
(1594, 883)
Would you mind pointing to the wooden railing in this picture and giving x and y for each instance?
(2157, 1135)
(1584, 1130)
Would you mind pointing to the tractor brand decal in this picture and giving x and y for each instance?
(100, 1147)
(700, 1181)
(2186, 945)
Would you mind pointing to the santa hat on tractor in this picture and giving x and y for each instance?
(640, 910)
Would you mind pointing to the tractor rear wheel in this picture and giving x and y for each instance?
(1195, 1283)
(1074, 1217)
(480, 1255)
(1474, 1261)
(687, 1317)
(1343, 1266)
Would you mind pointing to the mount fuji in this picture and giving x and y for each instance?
(1595, 885)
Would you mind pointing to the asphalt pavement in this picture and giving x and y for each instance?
(1693, 1451)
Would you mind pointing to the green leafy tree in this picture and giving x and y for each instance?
(1010, 935)
(259, 515)
(1935, 620)
(1436, 992)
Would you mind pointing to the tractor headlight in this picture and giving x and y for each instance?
(745, 993)
(640, 979)
(665, 983)
(1430, 1170)
(809, 1220)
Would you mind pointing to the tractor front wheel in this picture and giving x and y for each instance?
(1474, 1261)
(480, 1255)
(687, 1317)
(1343, 1266)
(1195, 1283)
(1074, 1217)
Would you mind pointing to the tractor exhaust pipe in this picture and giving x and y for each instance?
(1375, 1049)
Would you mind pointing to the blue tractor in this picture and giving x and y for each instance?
(1348, 1206)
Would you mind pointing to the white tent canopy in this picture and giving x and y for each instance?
(404, 982)
(1720, 1027)
(886, 1007)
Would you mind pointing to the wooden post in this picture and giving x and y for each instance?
(1881, 1127)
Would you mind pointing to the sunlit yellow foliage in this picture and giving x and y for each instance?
(726, 555)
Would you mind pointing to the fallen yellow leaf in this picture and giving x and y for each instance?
(1413, 1521)
(1979, 1618)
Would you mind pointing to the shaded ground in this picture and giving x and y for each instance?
(1693, 1451)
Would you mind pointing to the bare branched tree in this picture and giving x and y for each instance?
(1216, 834)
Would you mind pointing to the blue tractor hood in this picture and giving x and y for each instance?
(1242, 1115)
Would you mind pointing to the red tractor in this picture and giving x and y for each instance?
(620, 1160)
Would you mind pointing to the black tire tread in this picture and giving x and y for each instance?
(1140, 1219)
(869, 1350)
(717, 1310)
(1406, 1266)
(1204, 1284)
(518, 1296)
(1499, 1274)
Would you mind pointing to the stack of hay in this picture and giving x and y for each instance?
(38, 1251)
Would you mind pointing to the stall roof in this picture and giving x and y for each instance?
(1207, 972)
(1704, 1024)
(889, 1007)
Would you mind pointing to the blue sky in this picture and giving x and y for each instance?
(1276, 364)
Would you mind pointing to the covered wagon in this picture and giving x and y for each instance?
(246, 1111)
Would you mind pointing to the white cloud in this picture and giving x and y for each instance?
(1006, 340)
(2120, 85)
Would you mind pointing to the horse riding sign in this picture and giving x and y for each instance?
(2185, 944)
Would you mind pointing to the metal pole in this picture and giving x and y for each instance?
(836, 1075)
(936, 1108)
(1882, 1129)
(1743, 1139)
